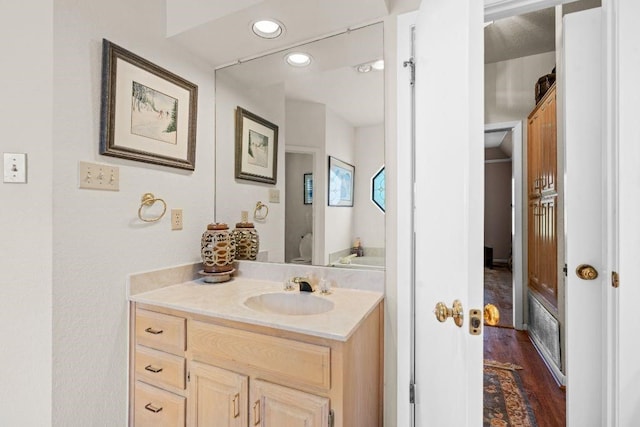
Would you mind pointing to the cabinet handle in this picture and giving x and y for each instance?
(153, 369)
(256, 413)
(154, 331)
(236, 405)
(152, 408)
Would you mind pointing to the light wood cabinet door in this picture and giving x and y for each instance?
(217, 397)
(276, 406)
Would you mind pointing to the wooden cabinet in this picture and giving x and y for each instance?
(542, 158)
(276, 406)
(238, 374)
(159, 367)
(218, 398)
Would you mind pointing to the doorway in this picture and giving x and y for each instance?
(298, 204)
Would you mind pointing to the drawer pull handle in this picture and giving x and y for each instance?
(256, 413)
(152, 408)
(154, 331)
(236, 405)
(153, 369)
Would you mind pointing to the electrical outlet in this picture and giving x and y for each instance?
(274, 195)
(94, 176)
(176, 219)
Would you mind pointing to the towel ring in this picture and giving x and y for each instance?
(148, 200)
(258, 214)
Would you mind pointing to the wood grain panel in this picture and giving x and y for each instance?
(161, 331)
(291, 360)
(160, 368)
(155, 407)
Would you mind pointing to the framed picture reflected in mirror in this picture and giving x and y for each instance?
(341, 176)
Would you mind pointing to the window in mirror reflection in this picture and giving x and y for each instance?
(378, 189)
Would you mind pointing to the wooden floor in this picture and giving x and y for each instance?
(547, 399)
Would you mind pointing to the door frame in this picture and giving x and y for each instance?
(495, 9)
(518, 245)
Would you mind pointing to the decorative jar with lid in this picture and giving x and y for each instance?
(247, 239)
(218, 248)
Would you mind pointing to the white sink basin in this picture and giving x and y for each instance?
(291, 303)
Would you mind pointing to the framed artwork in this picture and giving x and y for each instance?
(148, 113)
(256, 148)
(341, 176)
(308, 188)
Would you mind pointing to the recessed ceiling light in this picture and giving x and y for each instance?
(267, 28)
(378, 65)
(298, 59)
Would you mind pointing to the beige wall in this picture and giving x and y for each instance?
(497, 208)
(26, 217)
(97, 237)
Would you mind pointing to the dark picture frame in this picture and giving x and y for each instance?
(148, 113)
(256, 148)
(308, 188)
(341, 178)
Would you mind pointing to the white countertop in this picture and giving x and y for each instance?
(226, 301)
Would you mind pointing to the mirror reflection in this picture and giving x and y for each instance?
(324, 208)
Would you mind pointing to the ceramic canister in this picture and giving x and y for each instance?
(218, 248)
(247, 241)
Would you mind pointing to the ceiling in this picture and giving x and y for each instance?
(219, 33)
(519, 36)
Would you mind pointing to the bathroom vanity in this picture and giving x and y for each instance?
(248, 353)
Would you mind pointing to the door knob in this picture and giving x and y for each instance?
(443, 312)
(586, 272)
(491, 315)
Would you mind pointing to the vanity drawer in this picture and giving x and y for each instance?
(160, 368)
(284, 359)
(158, 408)
(161, 331)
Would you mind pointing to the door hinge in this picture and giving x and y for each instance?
(615, 279)
(188, 376)
(331, 418)
(412, 393)
(411, 63)
(565, 269)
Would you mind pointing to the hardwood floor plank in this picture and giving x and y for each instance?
(546, 397)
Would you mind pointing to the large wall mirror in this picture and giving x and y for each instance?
(332, 108)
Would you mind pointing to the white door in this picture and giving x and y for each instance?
(448, 217)
(447, 220)
(585, 217)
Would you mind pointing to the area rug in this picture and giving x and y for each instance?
(498, 291)
(505, 401)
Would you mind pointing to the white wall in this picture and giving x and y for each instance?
(510, 86)
(368, 221)
(25, 218)
(98, 239)
(305, 127)
(299, 217)
(234, 195)
(340, 143)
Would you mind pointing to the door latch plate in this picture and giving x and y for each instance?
(475, 322)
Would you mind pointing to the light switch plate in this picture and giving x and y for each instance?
(94, 176)
(15, 168)
(274, 195)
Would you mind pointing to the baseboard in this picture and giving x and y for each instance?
(560, 377)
